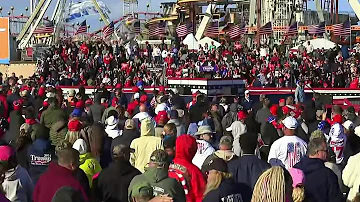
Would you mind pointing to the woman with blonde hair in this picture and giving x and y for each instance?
(74, 127)
(220, 185)
(274, 185)
(298, 178)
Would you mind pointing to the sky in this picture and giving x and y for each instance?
(116, 7)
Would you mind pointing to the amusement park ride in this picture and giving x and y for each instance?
(252, 12)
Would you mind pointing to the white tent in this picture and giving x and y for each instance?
(317, 44)
(208, 40)
(191, 42)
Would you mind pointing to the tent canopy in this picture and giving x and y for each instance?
(317, 44)
(191, 42)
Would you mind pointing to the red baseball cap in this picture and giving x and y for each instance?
(242, 115)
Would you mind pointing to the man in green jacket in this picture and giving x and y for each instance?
(52, 114)
(157, 176)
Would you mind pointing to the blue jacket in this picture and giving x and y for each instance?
(247, 104)
(40, 154)
(321, 183)
(247, 169)
(229, 191)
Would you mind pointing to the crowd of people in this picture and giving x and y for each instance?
(96, 63)
(72, 147)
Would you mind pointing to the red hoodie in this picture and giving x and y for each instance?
(185, 151)
(52, 180)
(5, 104)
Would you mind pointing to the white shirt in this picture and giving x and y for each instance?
(204, 149)
(141, 116)
(161, 107)
(113, 133)
(337, 141)
(287, 151)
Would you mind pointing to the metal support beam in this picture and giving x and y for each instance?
(208, 15)
(24, 41)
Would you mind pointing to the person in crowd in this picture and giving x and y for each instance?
(300, 93)
(174, 118)
(113, 110)
(157, 176)
(112, 127)
(225, 151)
(169, 143)
(15, 121)
(337, 139)
(32, 123)
(58, 175)
(129, 133)
(247, 102)
(88, 163)
(68, 194)
(350, 176)
(113, 182)
(263, 114)
(58, 132)
(298, 180)
(17, 184)
(53, 113)
(204, 148)
(274, 185)
(40, 154)
(247, 168)
(73, 133)
(220, 185)
(230, 117)
(144, 145)
(142, 114)
(238, 128)
(321, 183)
(161, 119)
(351, 116)
(295, 148)
(184, 171)
(169, 130)
(23, 142)
(96, 109)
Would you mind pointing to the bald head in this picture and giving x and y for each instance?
(143, 108)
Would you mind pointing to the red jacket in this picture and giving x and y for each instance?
(52, 180)
(185, 151)
(5, 104)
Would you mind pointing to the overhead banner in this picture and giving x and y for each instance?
(4, 41)
(82, 9)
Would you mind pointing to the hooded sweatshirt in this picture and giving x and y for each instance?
(18, 185)
(40, 154)
(350, 175)
(321, 183)
(230, 117)
(184, 171)
(144, 145)
(161, 183)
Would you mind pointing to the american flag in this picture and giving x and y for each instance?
(44, 29)
(342, 28)
(184, 29)
(137, 27)
(317, 29)
(157, 29)
(292, 30)
(82, 29)
(109, 30)
(212, 29)
(237, 30)
(293, 154)
(266, 29)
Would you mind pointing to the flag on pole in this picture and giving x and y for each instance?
(157, 29)
(317, 29)
(109, 30)
(292, 29)
(47, 29)
(342, 28)
(82, 29)
(237, 30)
(266, 29)
(184, 29)
(212, 29)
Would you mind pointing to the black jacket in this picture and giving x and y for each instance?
(321, 184)
(126, 138)
(16, 120)
(247, 169)
(228, 190)
(40, 154)
(96, 111)
(113, 182)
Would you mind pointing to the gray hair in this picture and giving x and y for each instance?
(315, 145)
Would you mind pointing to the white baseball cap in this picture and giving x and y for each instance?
(348, 125)
(247, 92)
(290, 123)
(136, 96)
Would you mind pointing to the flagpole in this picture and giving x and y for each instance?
(350, 32)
